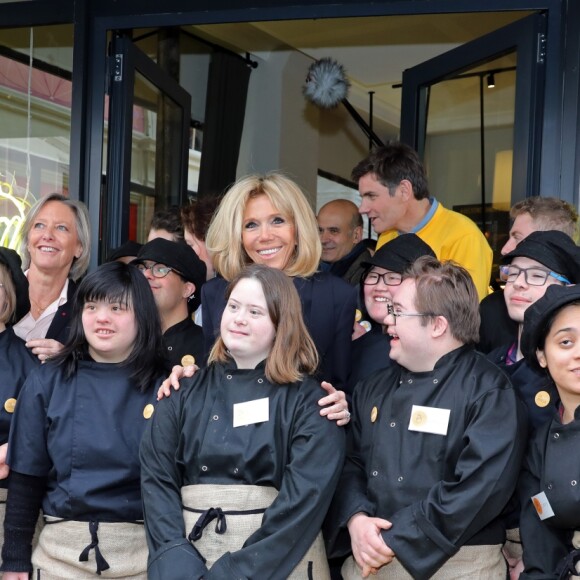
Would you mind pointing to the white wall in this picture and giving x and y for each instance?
(283, 131)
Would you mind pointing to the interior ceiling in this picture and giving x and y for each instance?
(374, 51)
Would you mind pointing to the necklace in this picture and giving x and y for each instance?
(38, 307)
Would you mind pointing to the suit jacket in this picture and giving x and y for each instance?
(60, 325)
(328, 307)
(349, 268)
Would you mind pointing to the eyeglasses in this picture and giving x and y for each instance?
(395, 315)
(388, 278)
(532, 276)
(157, 270)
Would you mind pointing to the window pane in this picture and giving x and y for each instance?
(36, 116)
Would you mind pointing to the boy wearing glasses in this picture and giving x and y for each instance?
(533, 214)
(434, 452)
(175, 274)
(540, 260)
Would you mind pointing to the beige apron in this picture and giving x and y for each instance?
(513, 543)
(121, 546)
(473, 562)
(248, 502)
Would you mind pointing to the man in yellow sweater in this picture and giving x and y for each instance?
(395, 197)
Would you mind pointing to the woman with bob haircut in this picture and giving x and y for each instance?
(55, 249)
(549, 494)
(74, 442)
(242, 442)
(266, 219)
(229, 254)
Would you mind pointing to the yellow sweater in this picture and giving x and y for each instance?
(452, 236)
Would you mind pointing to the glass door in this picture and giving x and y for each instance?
(147, 145)
(474, 114)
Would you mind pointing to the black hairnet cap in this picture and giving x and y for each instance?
(176, 255)
(129, 248)
(12, 260)
(399, 253)
(553, 249)
(541, 314)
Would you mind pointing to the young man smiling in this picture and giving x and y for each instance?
(540, 260)
(434, 447)
(533, 214)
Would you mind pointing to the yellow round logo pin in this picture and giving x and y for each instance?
(542, 398)
(374, 414)
(148, 411)
(418, 418)
(9, 405)
(187, 360)
(357, 315)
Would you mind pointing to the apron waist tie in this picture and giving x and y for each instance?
(567, 566)
(207, 516)
(102, 564)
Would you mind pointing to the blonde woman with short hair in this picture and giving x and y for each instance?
(266, 219)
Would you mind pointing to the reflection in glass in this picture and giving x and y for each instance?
(36, 120)
(469, 145)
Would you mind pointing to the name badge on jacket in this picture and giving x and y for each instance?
(251, 412)
(542, 506)
(429, 420)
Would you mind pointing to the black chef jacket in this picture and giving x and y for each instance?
(439, 491)
(496, 328)
(192, 441)
(83, 434)
(182, 339)
(528, 382)
(17, 362)
(552, 466)
(370, 353)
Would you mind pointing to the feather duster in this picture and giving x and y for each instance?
(326, 84)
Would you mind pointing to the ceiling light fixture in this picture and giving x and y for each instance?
(490, 81)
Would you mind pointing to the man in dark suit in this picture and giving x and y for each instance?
(341, 231)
